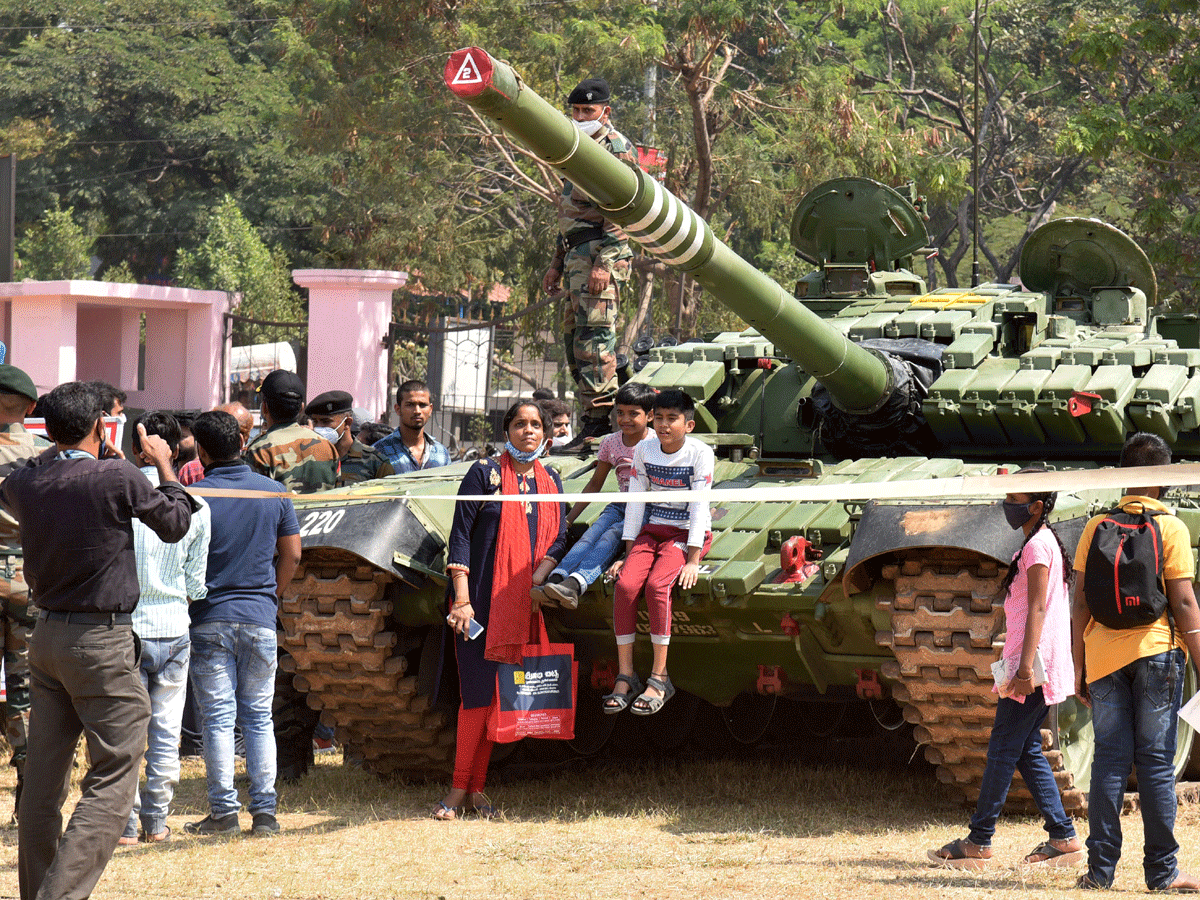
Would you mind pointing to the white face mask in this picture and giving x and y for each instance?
(589, 127)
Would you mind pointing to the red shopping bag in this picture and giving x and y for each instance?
(537, 697)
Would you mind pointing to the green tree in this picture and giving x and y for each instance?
(145, 114)
(56, 249)
(1139, 116)
(234, 258)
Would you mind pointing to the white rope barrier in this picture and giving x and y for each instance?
(961, 487)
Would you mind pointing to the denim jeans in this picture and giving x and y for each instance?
(164, 670)
(1016, 744)
(233, 677)
(598, 547)
(1134, 714)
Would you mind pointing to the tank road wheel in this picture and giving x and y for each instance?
(943, 620)
(360, 668)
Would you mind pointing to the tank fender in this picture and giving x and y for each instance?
(388, 534)
(886, 528)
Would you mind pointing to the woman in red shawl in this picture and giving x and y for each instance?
(496, 553)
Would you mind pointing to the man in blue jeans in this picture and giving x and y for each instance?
(168, 575)
(1133, 680)
(253, 553)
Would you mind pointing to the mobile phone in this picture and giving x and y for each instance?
(474, 629)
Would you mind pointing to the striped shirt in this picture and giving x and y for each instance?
(169, 573)
(688, 468)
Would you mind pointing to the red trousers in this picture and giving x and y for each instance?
(653, 563)
(472, 750)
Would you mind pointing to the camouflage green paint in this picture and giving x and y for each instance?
(589, 331)
(17, 614)
(295, 456)
(17, 618)
(362, 463)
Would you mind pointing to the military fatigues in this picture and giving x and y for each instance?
(295, 456)
(17, 613)
(587, 239)
(362, 463)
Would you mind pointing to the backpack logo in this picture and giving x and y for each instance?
(1123, 582)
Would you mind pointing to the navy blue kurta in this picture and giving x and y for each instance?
(472, 543)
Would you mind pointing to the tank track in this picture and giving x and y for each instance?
(943, 623)
(353, 659)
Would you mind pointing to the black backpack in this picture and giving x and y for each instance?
(1123, 582)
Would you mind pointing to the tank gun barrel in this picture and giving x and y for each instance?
(857, 379)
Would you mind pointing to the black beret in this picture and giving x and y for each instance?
(590, 90)
(14, 381)
(283, 385)
(330, 403)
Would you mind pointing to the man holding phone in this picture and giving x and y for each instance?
(75, 507)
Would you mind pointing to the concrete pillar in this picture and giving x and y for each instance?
(166, 357)
(43, 338)
(348, 316)
(108, 345)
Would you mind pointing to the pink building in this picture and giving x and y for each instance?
(82, 330)
(61, 331)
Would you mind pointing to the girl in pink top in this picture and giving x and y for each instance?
(1037, 608)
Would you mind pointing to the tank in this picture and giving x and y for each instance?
(858, 377)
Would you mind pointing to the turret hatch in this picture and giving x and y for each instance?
(857, 222)
(1072, 257)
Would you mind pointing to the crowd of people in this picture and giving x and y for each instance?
(122, 589)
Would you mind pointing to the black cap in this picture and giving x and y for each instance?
(590, 90)
(283, 385)
(330, 403)
(15, 381)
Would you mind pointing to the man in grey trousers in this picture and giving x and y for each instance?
(75, 506)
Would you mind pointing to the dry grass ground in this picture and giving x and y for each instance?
(693, 830)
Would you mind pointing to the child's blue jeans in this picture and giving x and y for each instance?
(599, 546)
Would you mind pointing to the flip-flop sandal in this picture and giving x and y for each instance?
(648, 706)
(614, 702)
(954, 856)
(444, 813)
(1052, 857)
(485, 810)
(161, 838)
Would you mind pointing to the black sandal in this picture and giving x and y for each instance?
(614, 702)
(954, 856)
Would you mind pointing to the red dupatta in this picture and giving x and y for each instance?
(512, 573)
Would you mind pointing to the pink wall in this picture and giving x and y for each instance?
(348, 315)
(66, 330)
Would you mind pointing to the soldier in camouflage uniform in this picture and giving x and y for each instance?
(591, 260)
(291, 454)
(17, 613)
(335, 410)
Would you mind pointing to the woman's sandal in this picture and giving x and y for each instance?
(954, 855)
(444, 813)
(614, 702)
(485, 810)
(648, 706)
(1050, 856)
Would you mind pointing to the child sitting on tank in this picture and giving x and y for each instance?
(666, 540)
(601, 543)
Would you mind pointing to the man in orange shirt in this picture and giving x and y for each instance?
(1133, 680)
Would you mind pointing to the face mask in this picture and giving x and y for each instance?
(520, 455)
(1017, 514)
(328, 433)
(590, 127)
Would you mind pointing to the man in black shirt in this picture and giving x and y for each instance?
(75, 508)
